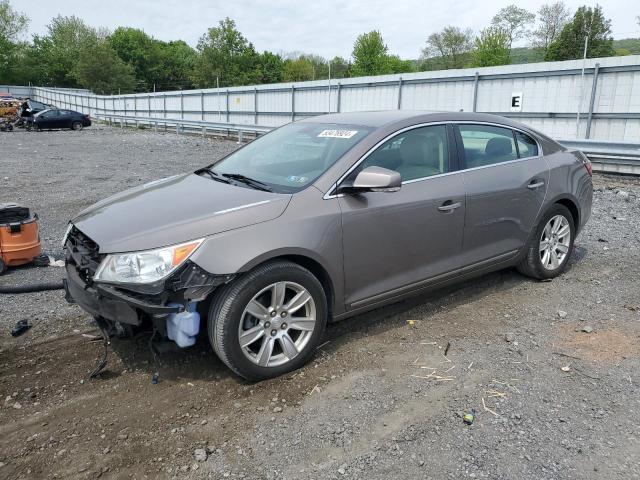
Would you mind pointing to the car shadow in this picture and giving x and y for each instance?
(200, 363)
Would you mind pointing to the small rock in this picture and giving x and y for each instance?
(17, 406)
(562, 314)
(203, 422)
(342, 471)
(200, 455)
(122, 436)
(622, 194)
(587, 329)
(509, 337)
(106, 450)
(277, 409)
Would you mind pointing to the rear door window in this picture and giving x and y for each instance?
(527, 146)
(487, 145)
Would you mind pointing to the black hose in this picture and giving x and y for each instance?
(36, 287)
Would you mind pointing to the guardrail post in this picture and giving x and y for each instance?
(121, 124)
(178, 128)
(594, 86)
(135, 106)
(204, 131)
(476, 79)
(155, 127)
(399, 93)
(124, 101)
(293, 103)
(202, 106)
(338, 99)
(181, 105)
(240, 136)
(149, 105)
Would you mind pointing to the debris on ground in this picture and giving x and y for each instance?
(20, 327)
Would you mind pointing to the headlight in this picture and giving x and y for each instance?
(66, 234)
(144, 267)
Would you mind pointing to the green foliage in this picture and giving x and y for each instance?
(61, 48)
(73, 54)
(513, 20)
(449, 48)
(225, 54)
(587, 22)
(298, 70)
(369, 55)
(101, 70)
(492, 48)
(552, 17)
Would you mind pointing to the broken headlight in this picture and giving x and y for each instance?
(144, 267)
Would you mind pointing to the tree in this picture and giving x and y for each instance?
(369, 55)
(396, 65)
(101, 70)
(271, 67)
(339, 67)
(298, 70)
(12, 25)
(492, 48)
(513, 20)
(12, 22)
(587, 23)
(61, 48)
(450, 46)
(224, 53)
(141, 52)
(177, 61)
(552, 18)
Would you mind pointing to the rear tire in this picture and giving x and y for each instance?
(77, 126)
(3, 267)
(283, 334)
(551, 244)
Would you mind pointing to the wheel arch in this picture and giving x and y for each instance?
(307, 260)
(572, 206)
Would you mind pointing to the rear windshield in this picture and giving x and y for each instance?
(292, 157)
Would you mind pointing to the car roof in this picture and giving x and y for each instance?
(377, 119)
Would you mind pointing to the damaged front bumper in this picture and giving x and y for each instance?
(169, 304)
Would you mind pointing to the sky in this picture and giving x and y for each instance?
(324, 27)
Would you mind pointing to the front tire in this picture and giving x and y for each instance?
(551, 245)
(269, 321)
(77, 126)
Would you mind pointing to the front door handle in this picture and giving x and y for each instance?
(449, 206)
(533, 185)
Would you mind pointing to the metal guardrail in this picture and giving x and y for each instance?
(609, 157)
(606, 157)
(184, 126)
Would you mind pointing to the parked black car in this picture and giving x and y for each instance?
(57, 118)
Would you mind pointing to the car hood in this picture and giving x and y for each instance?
(175, 210)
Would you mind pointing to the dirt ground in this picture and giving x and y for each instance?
(550, 369)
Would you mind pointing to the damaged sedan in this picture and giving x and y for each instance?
(320, 220)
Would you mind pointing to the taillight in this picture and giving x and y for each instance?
(587, 164)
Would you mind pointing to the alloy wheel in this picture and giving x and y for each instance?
(554, 242)
(277, 324)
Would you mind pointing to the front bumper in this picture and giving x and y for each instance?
(108, 302)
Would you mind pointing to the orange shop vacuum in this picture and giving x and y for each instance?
(19, 237)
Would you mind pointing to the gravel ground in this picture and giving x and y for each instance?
(549, 368)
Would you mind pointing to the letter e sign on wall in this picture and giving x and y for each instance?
(516, 102)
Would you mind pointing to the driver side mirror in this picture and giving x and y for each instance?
(373, 179)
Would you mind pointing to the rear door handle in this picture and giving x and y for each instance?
(534, 185)
(449, 206)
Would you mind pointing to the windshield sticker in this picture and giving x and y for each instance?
(296, 179)
(337, 133)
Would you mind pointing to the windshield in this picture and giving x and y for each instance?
(290, 158)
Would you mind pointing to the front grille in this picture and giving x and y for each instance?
(83, 253)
